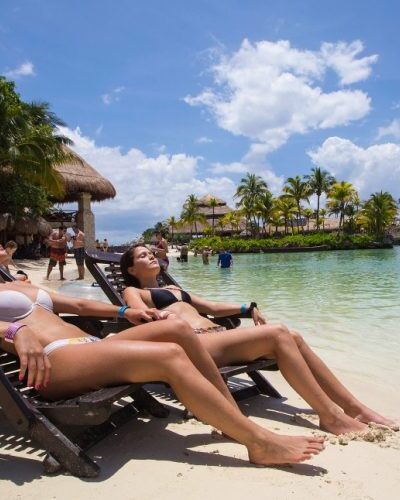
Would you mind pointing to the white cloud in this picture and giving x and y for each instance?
(342, 58)
(392, 130)
(370, 169)
(253, 162)
(113, 96)
(99, 129)
(148, 188)
(204, 140)
(24, 69)
(268, 91)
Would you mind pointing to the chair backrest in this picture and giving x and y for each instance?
(5, 275)
(106, 270)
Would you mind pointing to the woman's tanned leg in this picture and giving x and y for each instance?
(179, 332)
(79, 368)
(275, 341)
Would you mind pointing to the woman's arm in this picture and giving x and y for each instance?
(220, 309)
(85, 307)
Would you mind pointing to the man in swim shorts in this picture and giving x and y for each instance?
(79, 251)
(58, 245)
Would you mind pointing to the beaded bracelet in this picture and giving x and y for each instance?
(121, 311)
(12, 331)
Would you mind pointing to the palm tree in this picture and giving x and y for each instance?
(320, 181)
(298, 190)
(213, 202)
(379, 212)
(29, 144)
(308, 213)
(286, 207)
(264, 207)
(233, 219)
(250, 189)
(323, 212)
(172, 224)
(340, 196)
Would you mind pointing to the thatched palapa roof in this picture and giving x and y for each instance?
(80, 177)
(206, 200)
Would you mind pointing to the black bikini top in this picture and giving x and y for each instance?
(162, 297)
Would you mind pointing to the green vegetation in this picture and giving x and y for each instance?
(259, 214)
(30, 148)
(330, 241)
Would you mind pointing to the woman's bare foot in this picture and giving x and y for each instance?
(275, 449)
(340, 423)
(366, 415)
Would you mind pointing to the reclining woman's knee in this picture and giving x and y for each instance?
(175, 361)
(180, 331)
(297, 338)
(282, 334)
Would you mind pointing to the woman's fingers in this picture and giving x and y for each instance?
(47, 370)
(39, 372)
(154, 313)
(23, 366)
(31, 371)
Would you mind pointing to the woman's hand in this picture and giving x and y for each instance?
(32, 359)
(258, 318)
(140, 316)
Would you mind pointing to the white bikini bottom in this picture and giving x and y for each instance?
(56, 344)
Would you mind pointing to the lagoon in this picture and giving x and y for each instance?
(345, 303)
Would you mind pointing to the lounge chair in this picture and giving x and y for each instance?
(105, 268)
(66, 429)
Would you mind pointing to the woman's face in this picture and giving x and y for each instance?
(144, 263)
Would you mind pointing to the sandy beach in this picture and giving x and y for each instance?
(171, 458)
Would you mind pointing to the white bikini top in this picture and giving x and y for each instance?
(16, 305)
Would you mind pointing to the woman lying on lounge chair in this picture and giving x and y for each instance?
(158, 350)
(339, 411)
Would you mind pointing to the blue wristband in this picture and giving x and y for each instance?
(121, 311)
(243, 309)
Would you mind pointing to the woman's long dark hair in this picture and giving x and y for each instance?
(127, 260)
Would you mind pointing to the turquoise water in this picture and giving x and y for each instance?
(346, 304)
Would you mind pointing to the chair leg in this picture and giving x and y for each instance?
(263, 385)
(61, 449)
(142, 400)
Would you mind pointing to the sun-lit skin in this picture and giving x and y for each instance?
(157, 350)
(339, 410)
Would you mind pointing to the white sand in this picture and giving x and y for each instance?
(170, 459)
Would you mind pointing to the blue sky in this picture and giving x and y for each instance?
(171, 98)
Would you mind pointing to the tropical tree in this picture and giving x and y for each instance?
(319, 181)
(323, 213)
(190, 213)
(213, 202)
(298, 190)
(308, 213)
(286, 207)
(232, 219)
(264, 207)
(30, 147)
(250, 189)
(379, 212)
(340, 196)
(173, 224)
